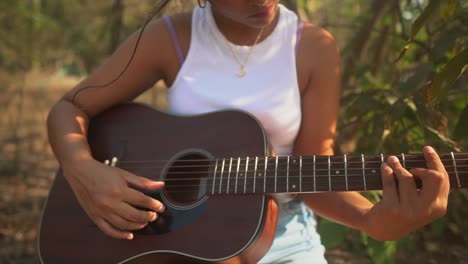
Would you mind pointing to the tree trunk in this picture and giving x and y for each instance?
(359, 43)
(117, 25)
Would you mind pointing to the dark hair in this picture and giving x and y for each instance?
(159, 6)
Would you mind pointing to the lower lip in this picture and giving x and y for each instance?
(264, 14)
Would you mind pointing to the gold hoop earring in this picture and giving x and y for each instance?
(202, 3)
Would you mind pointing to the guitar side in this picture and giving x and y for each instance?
(227, 229)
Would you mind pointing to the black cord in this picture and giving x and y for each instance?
(154, 12)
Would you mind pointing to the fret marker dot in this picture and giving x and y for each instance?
(294, 186)
(294, 161)
(259, 175)
(374, 171)
(337, 172)
(242, 174)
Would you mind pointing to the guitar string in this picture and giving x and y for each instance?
(305, 179)
(318, 179)
(318, 166)
(369, 176)
(209, 163)
(447, 164)
(368, 158)
(306, 187)
(333, 170)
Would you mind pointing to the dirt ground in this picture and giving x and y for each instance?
(27, 169)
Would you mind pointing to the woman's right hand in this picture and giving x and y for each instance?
(105, 194)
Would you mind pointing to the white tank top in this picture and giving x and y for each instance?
(207, 80)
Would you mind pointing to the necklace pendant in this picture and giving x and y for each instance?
(241, 73)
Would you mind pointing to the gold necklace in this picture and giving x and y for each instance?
(242, 72)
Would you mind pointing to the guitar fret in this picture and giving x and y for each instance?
(276, 173)
(229, 176)
(373, 178)
(300, 173)
(214, 177)
(294, 174)
(456, 169)
(221, 176)
(265, 175)
(287, 176)
(314, 174)
(237, 174)
(323, 168)
(364, 171)
(403, 159)
(245, 176)
(329, 174)
(346, 171)
(255, 173)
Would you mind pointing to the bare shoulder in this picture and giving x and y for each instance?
(318, 43)
(141, 60)
(158, 33)
(319, 55)
(182, 24)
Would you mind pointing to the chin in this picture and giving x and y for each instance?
(264, 21)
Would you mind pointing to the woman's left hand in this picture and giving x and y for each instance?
(404, 208)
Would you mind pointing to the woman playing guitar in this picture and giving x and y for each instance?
(256, 56)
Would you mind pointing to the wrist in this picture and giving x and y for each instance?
(76, 159)
(77, 168)
(366, 222)
(379, 227)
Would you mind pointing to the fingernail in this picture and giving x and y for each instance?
(154, 217)
(430, 149)
(159, 209)
(393, 159)
(130, 236)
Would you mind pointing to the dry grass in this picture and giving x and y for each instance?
(27, 165)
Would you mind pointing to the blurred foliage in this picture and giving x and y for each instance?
(404, 81)
(404, 86)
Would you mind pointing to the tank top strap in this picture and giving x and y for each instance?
(300, 26)
(178, 48)
(174, 38)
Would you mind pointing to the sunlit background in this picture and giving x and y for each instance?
(404, 86)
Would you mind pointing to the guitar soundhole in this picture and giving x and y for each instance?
(186, 180)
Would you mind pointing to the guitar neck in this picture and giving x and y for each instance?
(301, 174)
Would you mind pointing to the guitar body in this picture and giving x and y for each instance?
(221, 229)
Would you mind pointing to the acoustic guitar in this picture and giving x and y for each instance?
(218, 179)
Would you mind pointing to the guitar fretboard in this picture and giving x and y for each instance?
(300, 174)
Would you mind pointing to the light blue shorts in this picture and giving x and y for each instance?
(296, 239)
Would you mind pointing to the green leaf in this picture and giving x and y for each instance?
(461, 129)
(430, 9)
(439, 226)
(448, 10)
(407, 242)
(331, 233)
(445, 79)
(414, 77)
(382, 252)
